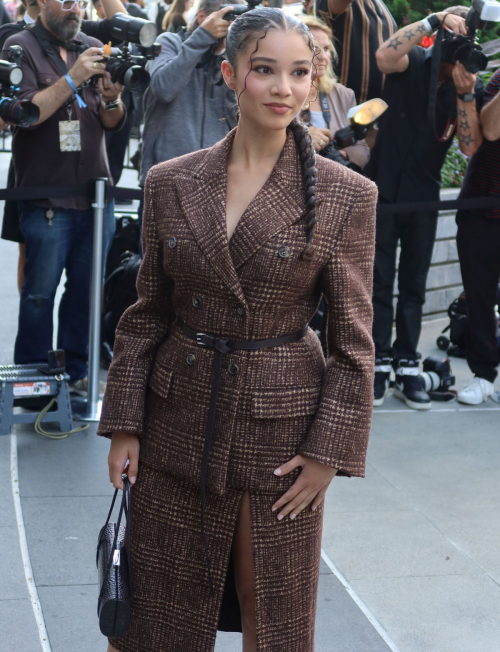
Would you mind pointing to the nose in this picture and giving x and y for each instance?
(282, 85)
(75, 9)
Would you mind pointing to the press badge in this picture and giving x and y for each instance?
(69, 135)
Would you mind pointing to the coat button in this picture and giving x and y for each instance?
(197, 302)
(240, 309)
(284, 252)
(191, 359)
(172, 242)
(233, 369)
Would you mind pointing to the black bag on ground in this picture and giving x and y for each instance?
(455, 344)
(126, 238)
(114, 604)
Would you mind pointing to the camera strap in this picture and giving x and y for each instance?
(433, 89)
(325, 109)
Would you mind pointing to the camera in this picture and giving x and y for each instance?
(127, 68)
(22, 113)
(437, 375)
(464, 49)
(238, 10)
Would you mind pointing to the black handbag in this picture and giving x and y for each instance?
(114, 604)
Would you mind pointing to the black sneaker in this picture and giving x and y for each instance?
(409, 387)
(381, 383)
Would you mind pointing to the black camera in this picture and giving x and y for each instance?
(238, 10)
(437, 375)
(127, 68)
(464, 49)
(22, 113)
(133, 30)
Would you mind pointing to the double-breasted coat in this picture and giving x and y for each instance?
(273, 403)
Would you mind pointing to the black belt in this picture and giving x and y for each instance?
(223, 345)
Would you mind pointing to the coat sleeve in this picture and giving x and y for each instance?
(339, 433)
(141, 329)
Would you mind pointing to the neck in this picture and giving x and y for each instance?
(255, 148)
(33, 12)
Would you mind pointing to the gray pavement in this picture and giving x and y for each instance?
(416, 541)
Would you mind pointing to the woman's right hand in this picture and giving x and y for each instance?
(124, 446)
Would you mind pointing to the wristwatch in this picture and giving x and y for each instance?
(466, 97)
(110, 106)
(431, 23)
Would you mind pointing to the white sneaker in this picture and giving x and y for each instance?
(81, 387)
(476, 392)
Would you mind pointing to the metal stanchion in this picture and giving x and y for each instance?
(89, 409)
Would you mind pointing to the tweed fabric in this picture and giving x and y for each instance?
(173, 612)
(273, 403)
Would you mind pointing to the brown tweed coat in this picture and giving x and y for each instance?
(273, 403)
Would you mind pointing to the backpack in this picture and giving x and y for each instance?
(8, 30)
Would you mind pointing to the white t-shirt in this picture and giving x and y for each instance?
(317, 119)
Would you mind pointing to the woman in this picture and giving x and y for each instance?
(329, 101)
(174, 19)
(240, 241)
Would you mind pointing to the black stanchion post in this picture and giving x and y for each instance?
(89, 409)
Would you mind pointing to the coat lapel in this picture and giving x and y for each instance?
(279, 204)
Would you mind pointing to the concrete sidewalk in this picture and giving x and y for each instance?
(416, 541)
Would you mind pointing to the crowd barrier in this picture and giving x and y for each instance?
(99, 191)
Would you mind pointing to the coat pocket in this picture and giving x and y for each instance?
(160, 380)
(285, 402)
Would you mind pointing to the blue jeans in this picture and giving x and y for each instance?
(66, 244)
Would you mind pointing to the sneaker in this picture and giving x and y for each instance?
(409, 386)
(381, 384)
(81, 387)
(476, 392)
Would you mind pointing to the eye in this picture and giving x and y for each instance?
(303, 72)
(262, 69)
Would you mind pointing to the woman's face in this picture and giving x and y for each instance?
(325, 51)
(278, 83)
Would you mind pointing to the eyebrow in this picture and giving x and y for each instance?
(295, 63)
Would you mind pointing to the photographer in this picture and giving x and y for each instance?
(65, 147)
(406, 165)
(188, 107)
(478, 243)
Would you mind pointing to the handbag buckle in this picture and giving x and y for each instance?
(116, 558)
(198, 339)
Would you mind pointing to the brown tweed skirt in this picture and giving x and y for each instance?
(173, 610)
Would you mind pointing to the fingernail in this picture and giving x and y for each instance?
(313, 508)
(132, 480)
(273, 509)
(277, 471)
(280, 517)
(293, 515)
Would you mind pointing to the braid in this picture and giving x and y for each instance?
(307, 155)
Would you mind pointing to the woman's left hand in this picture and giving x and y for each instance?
(310, 486)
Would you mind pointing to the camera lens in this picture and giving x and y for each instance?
(19, 112)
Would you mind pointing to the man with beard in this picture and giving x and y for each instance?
(64, 148)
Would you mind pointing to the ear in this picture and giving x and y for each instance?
(41, 4)
(200, 17)
(228, 74)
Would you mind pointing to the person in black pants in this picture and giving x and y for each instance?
(478, 243)
(406, 165)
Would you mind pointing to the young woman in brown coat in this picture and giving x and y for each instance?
(219, 395)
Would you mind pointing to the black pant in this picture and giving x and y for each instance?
(417, 232)
(478, 243)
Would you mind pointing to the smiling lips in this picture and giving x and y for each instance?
(277, 107)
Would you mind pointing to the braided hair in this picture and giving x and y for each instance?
(254, 25)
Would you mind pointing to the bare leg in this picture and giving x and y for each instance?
(111, 648)
(243, 572)
(20, 266)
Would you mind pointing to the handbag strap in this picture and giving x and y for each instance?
(123, 507)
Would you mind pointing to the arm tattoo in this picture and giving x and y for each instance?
(394, 43)
(462, 113)
(464, 124)
(467, 139)
(409, 34)
(421, 29)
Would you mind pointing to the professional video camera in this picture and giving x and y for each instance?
(464, 49)
(22, 113)
(124, 66)
(361, 118)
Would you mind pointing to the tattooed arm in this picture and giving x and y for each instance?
(470, 135)
(392, 56)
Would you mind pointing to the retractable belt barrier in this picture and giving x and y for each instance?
(114, 192)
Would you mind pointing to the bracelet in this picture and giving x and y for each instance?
(79, 99)
(110, 106)
(431, 23)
